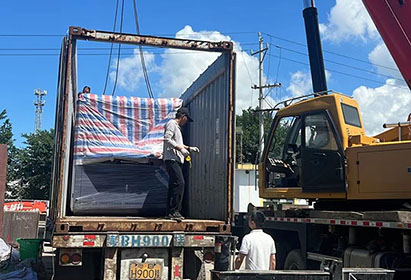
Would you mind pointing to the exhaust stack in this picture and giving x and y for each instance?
(315, 52)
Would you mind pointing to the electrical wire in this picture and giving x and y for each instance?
(249, 76)
(246, 67)
(222, 33)
(93, 54)
(90, 49)
(111, 50)
(268, 34)
(143, 63)
(278, 70)
(32, 35)
(119, 49)
(274, 45)
(180, 53)
(343, 73)
(269, 61)
(334, 53)
(341, 64)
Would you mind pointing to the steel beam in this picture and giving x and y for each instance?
(80, 33)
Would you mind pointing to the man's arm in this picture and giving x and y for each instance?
(168, 136)
(272, 262)
(239, 260)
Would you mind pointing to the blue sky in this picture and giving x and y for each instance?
(346, 28)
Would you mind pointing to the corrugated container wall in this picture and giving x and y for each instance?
(210, 100)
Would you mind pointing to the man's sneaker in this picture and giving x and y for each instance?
(175, 215)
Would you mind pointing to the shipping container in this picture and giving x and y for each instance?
(118, 246)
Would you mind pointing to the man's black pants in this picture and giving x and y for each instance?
(175, 185)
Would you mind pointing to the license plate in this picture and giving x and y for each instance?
(145, 271)
(138, 240)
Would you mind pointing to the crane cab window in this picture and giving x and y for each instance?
(318, 134)
(351, 115)
(284, 127)
(283, 161)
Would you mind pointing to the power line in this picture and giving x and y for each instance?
(334, 53)
(246, 67)
(222, 33)
(341, 64)
(32, 35)
(342, 73)
(92, 48)
(277, 46)
(182, 53)
(102, 54)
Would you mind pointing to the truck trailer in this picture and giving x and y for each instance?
(128, 244)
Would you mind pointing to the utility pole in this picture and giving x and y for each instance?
(39, 103)
(261, 55)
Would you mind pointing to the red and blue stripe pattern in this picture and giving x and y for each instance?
(118, 127)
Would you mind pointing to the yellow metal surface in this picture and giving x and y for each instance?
(360, 140)
(392, 134)
(291, 193)
(379, 171)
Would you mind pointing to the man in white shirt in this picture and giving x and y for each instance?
(174, 152)
(257, 247)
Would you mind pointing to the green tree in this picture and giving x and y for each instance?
(6, 137)
(248, 121)
(35, 165)
(6, 134)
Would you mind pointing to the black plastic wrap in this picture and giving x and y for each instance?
(120, 188)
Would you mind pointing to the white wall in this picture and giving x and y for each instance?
(245, 190)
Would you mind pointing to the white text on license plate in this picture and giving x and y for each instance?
(138, 240)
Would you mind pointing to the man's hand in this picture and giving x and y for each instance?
(185, 152)
(194, 149)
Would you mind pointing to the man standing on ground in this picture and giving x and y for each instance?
(257, 247)
(174, 152)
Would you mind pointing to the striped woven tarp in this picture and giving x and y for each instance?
(118, 127)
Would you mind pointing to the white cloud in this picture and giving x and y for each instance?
(300, 84)
(130, 74)
(383, 61)
(389, 103)
(347, 20)
(178, 69)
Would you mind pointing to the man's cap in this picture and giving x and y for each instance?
(184, 111)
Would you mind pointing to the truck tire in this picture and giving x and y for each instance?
(295, 260)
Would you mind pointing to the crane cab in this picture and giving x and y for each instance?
(304, 156)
